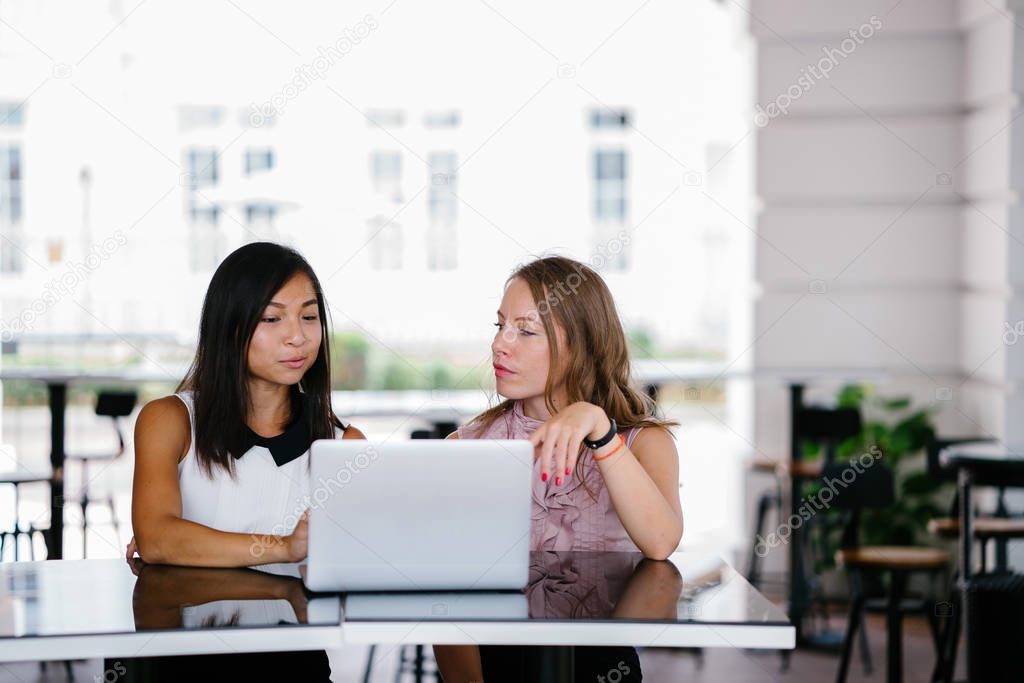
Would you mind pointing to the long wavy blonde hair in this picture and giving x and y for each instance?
(571, 297)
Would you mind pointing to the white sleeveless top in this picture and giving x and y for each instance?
(262, 497)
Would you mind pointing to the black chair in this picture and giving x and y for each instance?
(872, 487)
(115, 405)
(438, 430)
(825, 426)
(991, 604)
(17, 479)
(1000, 526)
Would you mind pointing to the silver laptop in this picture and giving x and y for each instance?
(422, 515)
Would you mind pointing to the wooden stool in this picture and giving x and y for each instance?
(873, 487)
(803, 470)
(900, 562)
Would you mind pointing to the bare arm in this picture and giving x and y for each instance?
(162, 438)
(643, 482)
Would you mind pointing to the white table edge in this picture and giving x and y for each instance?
(170, 642)
(332, 637)
(772, 636)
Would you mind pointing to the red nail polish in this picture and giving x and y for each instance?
(567, 471)
(558, 481)
(543, 476)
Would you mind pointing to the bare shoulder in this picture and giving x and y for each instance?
(163, 414)
(164, 422)
(353, 432)
(453, 435)
(654, 443)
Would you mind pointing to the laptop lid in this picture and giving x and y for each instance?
(419, 515)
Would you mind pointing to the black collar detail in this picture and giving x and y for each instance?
(288, 445)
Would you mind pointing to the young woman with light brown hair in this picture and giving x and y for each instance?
(606, 470)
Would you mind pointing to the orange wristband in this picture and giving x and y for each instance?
(622, 442)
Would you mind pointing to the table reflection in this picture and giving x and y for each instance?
(562, 586)
(168, 597)
(612, 585)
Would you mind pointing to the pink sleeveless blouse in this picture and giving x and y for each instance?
(566, 517)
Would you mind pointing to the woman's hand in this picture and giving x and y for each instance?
(296, 544)
(130, 551)
(299, 601)
(558, 441)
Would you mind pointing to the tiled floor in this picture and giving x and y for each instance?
(739, 666)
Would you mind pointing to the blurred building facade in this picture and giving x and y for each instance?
(414, 168)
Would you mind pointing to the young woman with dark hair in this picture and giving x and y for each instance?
(606, 470)
(221, 474)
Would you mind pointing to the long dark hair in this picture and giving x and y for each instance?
(244, 283)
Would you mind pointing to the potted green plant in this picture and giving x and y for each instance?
(901, 433)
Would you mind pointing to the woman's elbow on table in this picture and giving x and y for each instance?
(662, 548)
(149, 551)
(659, 552)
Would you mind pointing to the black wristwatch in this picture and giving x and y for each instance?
(594, 445)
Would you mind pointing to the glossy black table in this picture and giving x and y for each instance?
(129, 614)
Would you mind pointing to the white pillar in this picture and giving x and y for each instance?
(891, 234)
